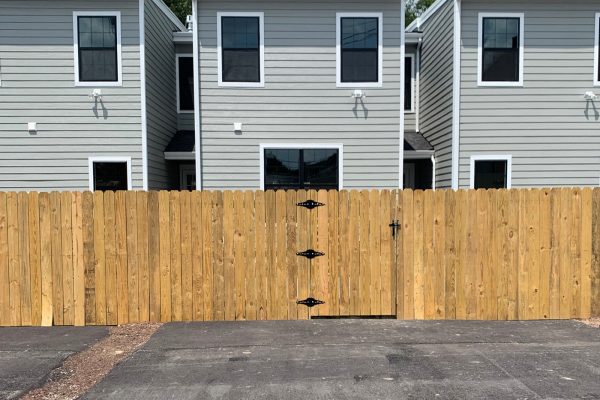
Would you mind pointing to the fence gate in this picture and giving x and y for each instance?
(347, 252)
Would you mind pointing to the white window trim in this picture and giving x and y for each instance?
(177, 57)
(92, 160)
(413, 84)
(503, 157)
(261, 17)
(597, 50)
(338, 51)
(117, 14)
(337, 146)
(521, 17)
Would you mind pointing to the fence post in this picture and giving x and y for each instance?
(596, 253)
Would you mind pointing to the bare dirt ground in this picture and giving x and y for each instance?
(592, 322)
(82, 371)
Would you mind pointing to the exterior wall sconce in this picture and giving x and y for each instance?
(359, 95)
(590, 96)
(96, 95)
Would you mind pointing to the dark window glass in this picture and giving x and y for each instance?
(186, 83)
(598, 38)
(359, 47)
(110, 176)
(501, 42)
(301, 169)
(491, 174)
(98, 49)
(408, 88)
(240, 42)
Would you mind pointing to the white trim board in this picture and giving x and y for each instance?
(402, 116)
(491, 157)
(338, 146)
(480, 81)
(92, 160)
(76, 15)
(338, 51)
(143, 104)
(456, 81)
(177, 57)
(169, 14)
(597, 50)
(261, 32)
(197, 121)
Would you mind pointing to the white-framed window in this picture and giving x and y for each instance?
(501, 39)
(597, 51)
(109, 173)
(187, 177)
(184, 64)
(301, 166)
(409, 83)
(97, 48)
(241, 49)
(491, 172)
(359, 50)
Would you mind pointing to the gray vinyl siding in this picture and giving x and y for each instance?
(300, 102)
(37, 71)
(436, 85)
(185, 121)
(161, 97)
(544, 125)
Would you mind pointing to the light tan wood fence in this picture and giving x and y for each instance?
(115, 258)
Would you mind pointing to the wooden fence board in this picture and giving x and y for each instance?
(175, 236)
(343, 263)
(187, 271)
(292, 262)
(218, 257)
(154, 240)
(439, 262)
(545, 253)
(595, 275)
(565, 253)
(24, 261)
(491, 270)
(502, 254)
(450, 255)
(575, 250)
(4, 275)
(418, 256)
(249, 222)
(142, 256)
(385, 253)
(122, 256)
(262, 277)
(354, 253)
(514, 254)
(45, 261)
(88, 256)
(99, 257)
(229, 234)
(280, 277)
(67, 257)
(207, 257)
(133, 277)
(429, 272)
(374, 252)
(554, 285)
(110, 257)
(397, 260)
(78, 261)
(320, 265)
(14, 261)
(365, 272)
(34, 258)
(239, 251)
(197, 228)
(586, 253)
(533, 245)
(483, 239)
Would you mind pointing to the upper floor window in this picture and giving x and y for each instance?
(359, 49)
(409, 83)
(501, 49)
(97, 38)
(185, 83)
(240, 39)
(597, 52)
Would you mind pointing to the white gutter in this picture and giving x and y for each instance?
(456, 95)
(197, 146)
(402, 85)
(142, 19)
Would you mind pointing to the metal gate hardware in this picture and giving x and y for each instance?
(310, 254)
(310, 302)
(310, 204)
(395, 225)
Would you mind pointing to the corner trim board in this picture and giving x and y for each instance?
(456, 95)
(143, 106)
(197, 135)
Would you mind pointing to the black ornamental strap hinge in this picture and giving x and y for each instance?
(310, 254)
(310, 302)
(395, 225)
(310, 204)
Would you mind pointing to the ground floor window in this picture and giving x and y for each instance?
(490, 172)
(187, 177)
(110, 174)
(418, 174)
(301, 168)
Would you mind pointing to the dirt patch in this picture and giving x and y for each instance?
(595, 322)
(83, 370)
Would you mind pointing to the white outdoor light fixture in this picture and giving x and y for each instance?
(358, 94)
(96, 94)
(32, 127)
(590, 96)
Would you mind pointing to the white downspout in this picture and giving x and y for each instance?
(197, 135)
(402, 84)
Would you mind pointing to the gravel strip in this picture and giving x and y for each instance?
(592, 322)
(82, 371)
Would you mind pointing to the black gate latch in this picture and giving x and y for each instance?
(395, 225)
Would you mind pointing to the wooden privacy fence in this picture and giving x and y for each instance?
(115, 258)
